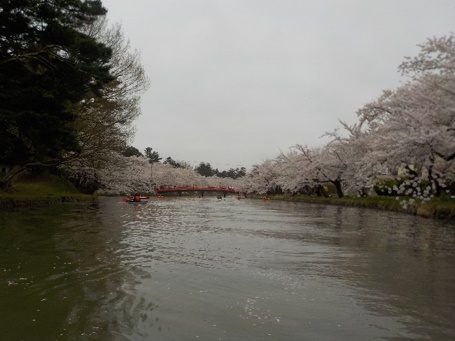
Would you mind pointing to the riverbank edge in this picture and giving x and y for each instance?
(27, 201)
(48, 190)
(433, 210)
(42, 190)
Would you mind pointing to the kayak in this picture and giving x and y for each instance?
(130, 200)
(137, 202)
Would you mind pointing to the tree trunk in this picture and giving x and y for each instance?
(434, 180)
(339, 188)
(411, 171)
(7, 180)
(320, 191)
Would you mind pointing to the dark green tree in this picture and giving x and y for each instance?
(205, 169)
(173, 163)
(153, 156)
(241, 172)
(131, 151)
(46, 65)
(231, 173)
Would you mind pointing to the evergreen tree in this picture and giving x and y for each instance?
(46, 64)
(173, 163)
(131, 151)
(153, 156)
(205, 169)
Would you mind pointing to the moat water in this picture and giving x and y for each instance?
(208, 269)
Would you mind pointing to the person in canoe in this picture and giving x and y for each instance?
(136, 197)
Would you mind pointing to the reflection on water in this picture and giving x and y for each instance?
(203, 269)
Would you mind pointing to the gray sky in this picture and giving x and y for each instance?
(234, 82)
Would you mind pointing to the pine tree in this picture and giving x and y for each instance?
(46, 65)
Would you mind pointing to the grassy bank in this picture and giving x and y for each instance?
(42, 189)
(436, 208)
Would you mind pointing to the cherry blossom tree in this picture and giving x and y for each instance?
(350, 162)
(413, 127)
(407, 133)
(292, 172)
(295, 169)
(125, 176)
(409, 130)
(263, 178)
(165, 175)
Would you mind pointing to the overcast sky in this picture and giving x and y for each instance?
(234, 82)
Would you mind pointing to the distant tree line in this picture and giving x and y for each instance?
(204, 168)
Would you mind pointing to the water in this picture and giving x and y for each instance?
(203, 269)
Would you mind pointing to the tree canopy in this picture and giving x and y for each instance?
(46, 65)
(152, 155)
(131, 151)
(104, 124)
(406, 136)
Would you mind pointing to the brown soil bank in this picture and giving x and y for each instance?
(443, 208)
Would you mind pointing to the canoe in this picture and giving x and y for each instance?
(130, 200)
(136, 202)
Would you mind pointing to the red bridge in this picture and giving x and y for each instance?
(182, 189)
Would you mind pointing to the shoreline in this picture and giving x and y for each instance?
(51, 189)
(43, 189)
(12, 202)
(431, 209)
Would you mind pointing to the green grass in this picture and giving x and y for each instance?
(41, 185)
(439, 208)
(41, 189)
